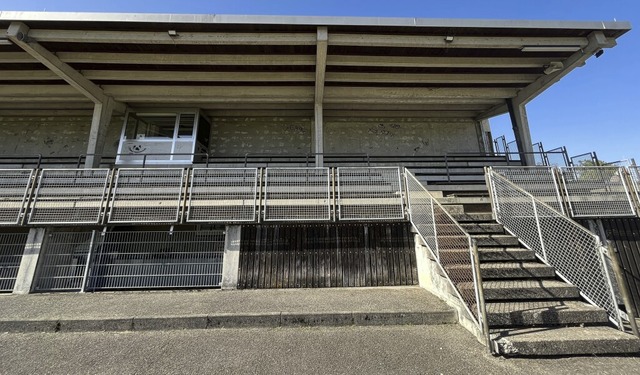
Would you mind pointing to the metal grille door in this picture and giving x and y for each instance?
(69, 196)
(14, 187)
(597, 192)
(538, 181)
(11, 250)
(63, 263)
(149, 195)
(297, 194)
(370, 194)
(145, 260)
(222, 195)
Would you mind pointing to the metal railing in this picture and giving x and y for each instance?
(222, 194)
(597, 191)
(634, 176)
(14, 194)
(575, 253)
(147, 195)
(541, 182)
(297, 194)
(450, 245)
(580, 192)
(69, 196)
(11, 251)
(370, 193)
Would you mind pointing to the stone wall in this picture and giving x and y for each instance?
(52, 136)
(237, 136)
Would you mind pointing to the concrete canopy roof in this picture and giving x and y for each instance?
(354, 66)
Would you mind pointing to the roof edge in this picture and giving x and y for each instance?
(308, 20)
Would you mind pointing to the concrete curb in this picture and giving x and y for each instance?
(261, 320)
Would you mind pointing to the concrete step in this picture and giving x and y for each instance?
(520, 290)
(516, 270)
(163, 310)
(538, 313)
(503, 270)
(564, 341)
(495, 240)
(485, 228)
(464, 217)
(494, 254)
(474, 199)
(490, 254)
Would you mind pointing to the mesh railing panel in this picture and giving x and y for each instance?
(149, 195)
(11, 251)
(572, 250)
(69, 196)
(634, 173)
(14, 187)
(597, 192)
(297, 194)
(450, 244)
(538, 181)
(63, 261)
(370, 194)
(130, 260)
(222, 194)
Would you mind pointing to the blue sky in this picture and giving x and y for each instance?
(595, 108)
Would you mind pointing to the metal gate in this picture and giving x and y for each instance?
(327, 255)
(11, 250)
(63, 262)
(147, 260)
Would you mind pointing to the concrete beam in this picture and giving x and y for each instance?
(186, 59)
(430, 78)
(25, 280)
(520, 124)
(596, 41)
(429, 41)
(151, 37)
(19, 34)
(231, 258)
(173, 76)
(437, 62)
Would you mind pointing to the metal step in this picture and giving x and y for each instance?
(519, 290)
(564, 341)
(544, 313)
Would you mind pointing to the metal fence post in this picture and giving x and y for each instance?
(535, 214)
(622, 285)
(88, 262)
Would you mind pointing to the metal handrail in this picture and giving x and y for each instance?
(604, 298)
(444, 220)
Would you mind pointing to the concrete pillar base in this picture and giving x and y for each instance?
(231, 259)
(25, 281)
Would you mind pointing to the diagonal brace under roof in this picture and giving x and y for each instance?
(18, 33)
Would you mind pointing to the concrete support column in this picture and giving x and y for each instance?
(27, 272)
(102, 113)
(520, 124)
(231, 259)
(487, 139)
(318, 134)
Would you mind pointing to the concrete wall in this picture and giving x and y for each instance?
(237, 136)
(52, 136)
(233, 136)
(400, 136)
